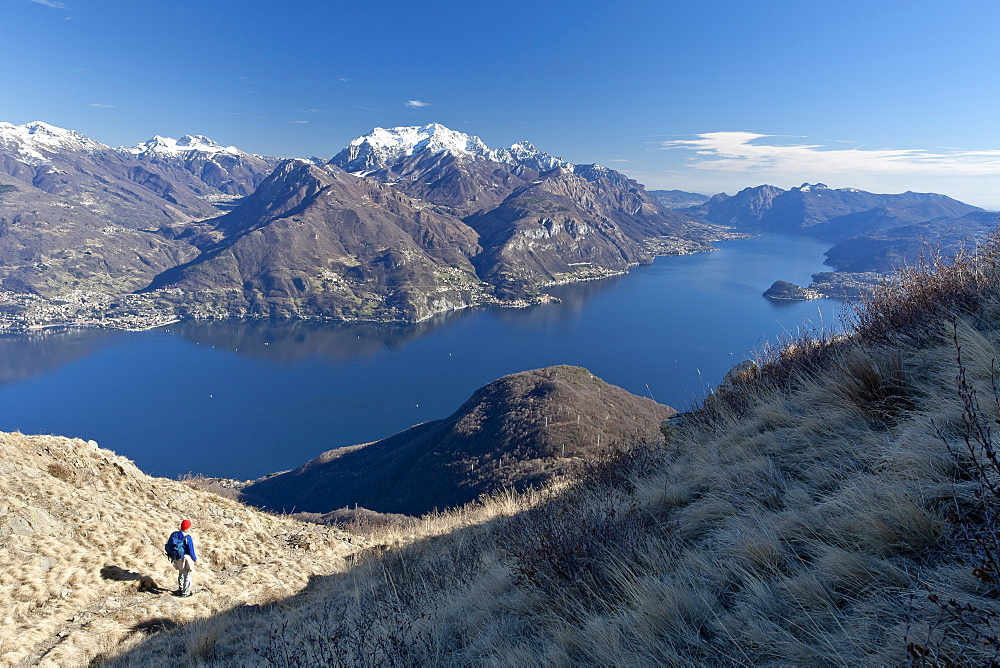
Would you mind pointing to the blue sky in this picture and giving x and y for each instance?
(706, 95)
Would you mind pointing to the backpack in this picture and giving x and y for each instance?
(176, 546)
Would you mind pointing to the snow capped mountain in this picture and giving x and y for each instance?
(32, 141)
(807, 187)
(48, 137)
(525, 153)
(382, 148)
(183, 147)
(385, 147)
(224, 168)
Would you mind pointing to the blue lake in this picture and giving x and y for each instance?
(241, 399)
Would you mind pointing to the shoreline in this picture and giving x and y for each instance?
(26, 313)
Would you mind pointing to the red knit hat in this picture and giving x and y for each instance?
(185, 525)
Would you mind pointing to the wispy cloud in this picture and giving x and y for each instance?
(102, 106)
(413, 104)
(750, 152)
(51, 3)
(299, 122)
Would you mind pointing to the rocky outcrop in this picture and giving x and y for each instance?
(549, 232)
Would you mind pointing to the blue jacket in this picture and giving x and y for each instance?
(188, 544)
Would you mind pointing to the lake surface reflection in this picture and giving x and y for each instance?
(242, 399)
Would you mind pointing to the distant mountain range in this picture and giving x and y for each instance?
(869, 232)
(517, 431)
(679, 199)
(403, 223)
(76, 214)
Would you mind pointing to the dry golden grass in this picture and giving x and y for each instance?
(83, 566)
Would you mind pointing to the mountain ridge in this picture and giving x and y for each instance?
(252, 236)
(871, 234)
(182, 224)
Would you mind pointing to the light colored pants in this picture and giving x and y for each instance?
(184, 567)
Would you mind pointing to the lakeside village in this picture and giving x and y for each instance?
(22, 312)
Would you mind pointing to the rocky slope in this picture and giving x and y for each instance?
(51, 245)
(459, 172)
(554, 230)
(520, 430)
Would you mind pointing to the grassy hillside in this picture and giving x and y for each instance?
(82, 569)
(835, 505)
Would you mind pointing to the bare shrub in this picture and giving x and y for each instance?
(62, 472)
(923, 292)
(777, 365)
(618, 465)
(202, 635)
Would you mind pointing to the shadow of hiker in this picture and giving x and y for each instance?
(155, 625)
(117, 573)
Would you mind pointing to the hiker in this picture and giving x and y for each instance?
(180, 549)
